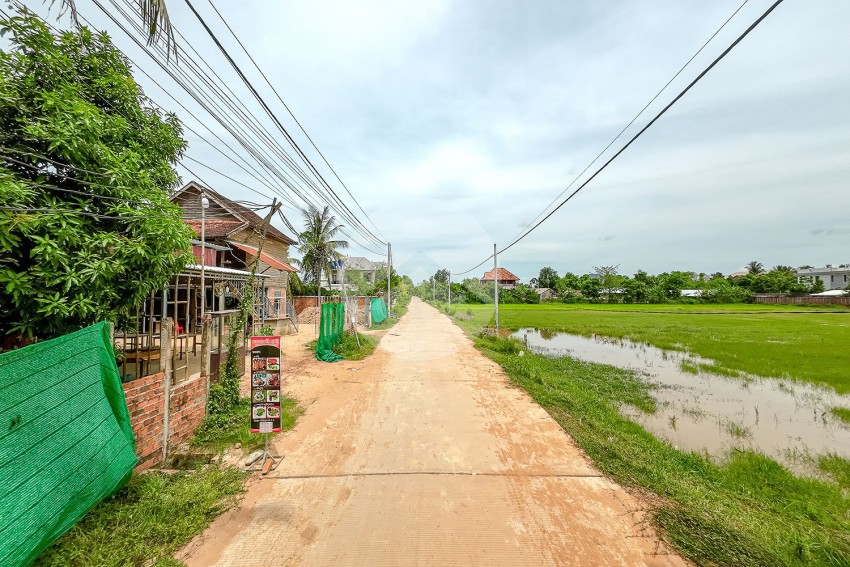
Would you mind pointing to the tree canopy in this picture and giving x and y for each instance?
(86, 167)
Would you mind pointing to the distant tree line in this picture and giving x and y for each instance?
(607, 285)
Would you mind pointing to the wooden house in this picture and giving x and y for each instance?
(232, 237)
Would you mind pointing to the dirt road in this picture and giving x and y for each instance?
(424, 454)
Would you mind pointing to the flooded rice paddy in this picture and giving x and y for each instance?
(704, 411)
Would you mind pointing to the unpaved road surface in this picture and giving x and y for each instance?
(424, 454)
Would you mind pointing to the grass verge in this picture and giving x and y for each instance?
(148, 520)
(220, 431)
(156, 513)
(748, 510)
(350, 349)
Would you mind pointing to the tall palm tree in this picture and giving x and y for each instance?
(318, 244)
(755, 268)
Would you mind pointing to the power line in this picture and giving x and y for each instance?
(644, 129)
(274, 90)
(639, 114)
(269, 111)
(228, 124)
(650, 123)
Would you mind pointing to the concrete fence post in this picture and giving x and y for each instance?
(165, 352)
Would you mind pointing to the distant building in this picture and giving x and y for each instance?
(691, 293)
(506, 279)
(353, 267)
(832, 278)
(545, 293)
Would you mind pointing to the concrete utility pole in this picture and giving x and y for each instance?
(389, 279)
(433, 288)
(496, 285)
(450, 290)
(205, 203)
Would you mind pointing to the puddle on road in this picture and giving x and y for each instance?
(708, 412)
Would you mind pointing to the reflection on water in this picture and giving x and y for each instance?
(710, 412)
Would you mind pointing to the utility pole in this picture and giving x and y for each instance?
(433, 289)
(450, 290)
(389, 279)
(496, 285)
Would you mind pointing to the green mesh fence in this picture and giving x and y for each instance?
(379, 310)
(331, 327)
(65, 438)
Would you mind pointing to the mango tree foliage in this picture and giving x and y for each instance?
(86, 168)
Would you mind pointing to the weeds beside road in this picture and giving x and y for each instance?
(157, 513)
(748, 510)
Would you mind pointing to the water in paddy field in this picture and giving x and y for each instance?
(708, 412)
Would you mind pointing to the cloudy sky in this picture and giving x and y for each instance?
(455, 123)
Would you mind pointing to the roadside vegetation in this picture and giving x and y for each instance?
(842, 413)
(222, 430)
(747, 510)
(350, 349)
(157, 513)
(148, 520)
(767, 340)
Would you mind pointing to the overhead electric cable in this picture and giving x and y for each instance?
(221, 115)
(196, 94)
(639, 114)
(650, 123)
(274, 90)
(266, 108)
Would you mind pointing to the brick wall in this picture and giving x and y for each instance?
(188, 402)
(302, 302)
(146, 404)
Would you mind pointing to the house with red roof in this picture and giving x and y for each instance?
(505, 278)
(232, 234)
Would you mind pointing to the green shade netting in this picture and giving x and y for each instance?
(331, 327)
(65, 438)
(379, 310)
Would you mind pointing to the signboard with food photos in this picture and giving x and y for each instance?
(265, 384)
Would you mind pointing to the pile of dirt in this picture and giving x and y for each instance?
(309, 316)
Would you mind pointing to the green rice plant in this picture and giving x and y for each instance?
(841, 413)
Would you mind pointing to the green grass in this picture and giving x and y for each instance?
(220, 431)
(148, 520)
(748, 510)
(842, 413)
(157, 513)
(771, 342)
(348, 347)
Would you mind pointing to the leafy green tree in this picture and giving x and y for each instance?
(86, 168)
(590, 288)
(609, 279)
(548, 277)
(442, 276)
